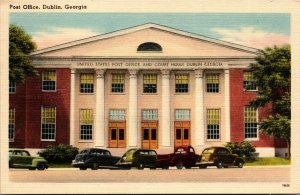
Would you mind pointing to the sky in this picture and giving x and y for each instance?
(251, 29)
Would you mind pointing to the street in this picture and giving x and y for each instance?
(211, 174)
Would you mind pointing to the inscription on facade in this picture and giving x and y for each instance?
(149, 65)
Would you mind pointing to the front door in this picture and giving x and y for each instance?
(117, 135)
(182, 133)
(150, 135)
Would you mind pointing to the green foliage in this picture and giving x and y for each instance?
(268, 161)
(244, 149)
(59, 154)
(20, 46)
(278, 126)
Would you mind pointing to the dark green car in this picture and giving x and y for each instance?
(139, 158)
(20, 158)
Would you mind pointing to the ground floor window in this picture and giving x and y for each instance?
(150, 114)
(11, 125)
(250, 122)
(182, 114)
(86, 124)
(213, 124)
(48, 123)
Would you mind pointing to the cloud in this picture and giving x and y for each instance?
(251, 37)
(61, 35)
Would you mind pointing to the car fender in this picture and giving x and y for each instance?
(238, 159)
(35, 162)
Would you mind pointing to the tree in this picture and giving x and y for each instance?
(20, 46)
(272, 73)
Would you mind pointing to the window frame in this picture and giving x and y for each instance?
(182, 119)
(92, 88)
(249, 81)
(55, 81)
(140, 48)
(257, 125)
(188, 83)
(42, 109)
(219, 125)
(87, 124)
(150, 119)
(14, 87)
(120, 110)
(12, 112)
(156, 84)
(112, 83)
(206, 83)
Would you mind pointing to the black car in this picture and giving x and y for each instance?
(140, 158)
(219, 157)
(94, 158)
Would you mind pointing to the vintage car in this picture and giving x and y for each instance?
(183, 156)
(95, 158)
(219, 157)
(139, 158)
(20, 158)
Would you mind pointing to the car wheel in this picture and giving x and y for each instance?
(179, 164)
(94, 166)
(219, 165)
(141, 166)
(240, 164)
(203, 166)
(82, 168)
(41, 167)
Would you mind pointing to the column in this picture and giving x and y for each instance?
(199, 118)
(227, 105)
(72, 107)
(132, 111)
(165, 112)
(99, 116)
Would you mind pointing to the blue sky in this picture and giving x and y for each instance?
(254, 30)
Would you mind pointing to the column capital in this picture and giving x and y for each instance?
(100, 73)
(199, 73)
(226, 71)
(73, 70)
(165, 73)
(133, 73)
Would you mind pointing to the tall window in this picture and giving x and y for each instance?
(182, 114)
(49, 80)
(117, 114)
(150, 114)
(11, 124)
(12, 87)
(212, 83)
(249, 81)
(213, 124)
(150, 83)
(86, 124)
(250, 120)
(181, 83)
(117, 84)
(87, 83)
(48, 123)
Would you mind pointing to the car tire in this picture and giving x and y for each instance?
(240, 164)
(219, 165)
(203, 166)
(140, 166)
(82, 168)
(94, 166)
(179, 165)
(41, 167)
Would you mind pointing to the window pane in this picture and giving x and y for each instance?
(150, 83)
(181, 83)
(249, 81)
(86, 132)
(118, 81)
(113, 134)
(86, 124)
(11, 124)
(153, 134)
(213, 124)
(185, 134)
(150, 114)
(12, 87)
(86, 116)
(117, 114)
(48, 123)
(182, 114)
(178, 134)
(121, 134)
(250, 119)
(49, 80)
(212, 83)
(86, 83)
(146, 134)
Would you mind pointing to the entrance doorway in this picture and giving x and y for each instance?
(117, 135)
(182, 133)
(150, 135)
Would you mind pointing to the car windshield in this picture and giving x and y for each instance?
(209, 150)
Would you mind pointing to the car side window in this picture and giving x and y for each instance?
(25, 153)
(192, 150)
(152, 153)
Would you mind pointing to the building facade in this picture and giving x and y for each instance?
(148, 86)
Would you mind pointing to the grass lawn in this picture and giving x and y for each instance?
(268, 161)
(60, 165)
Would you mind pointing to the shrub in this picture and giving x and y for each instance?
(59, 154)
(244, 149)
